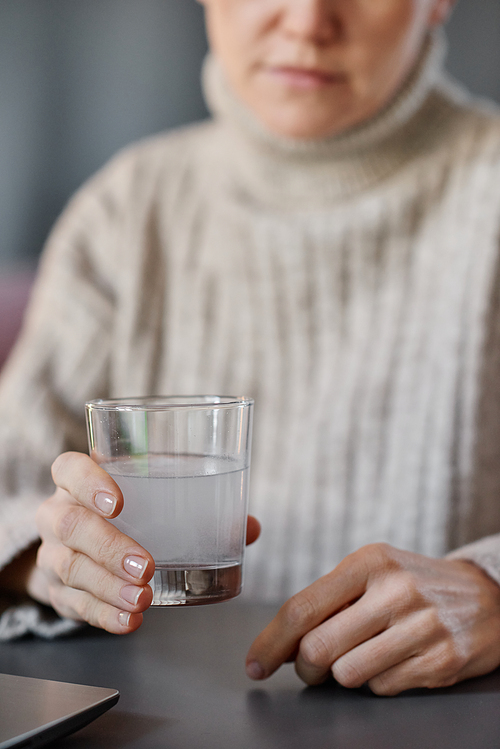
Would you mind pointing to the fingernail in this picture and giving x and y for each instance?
(105, 503)
(131, 593)
(124, 618)
(255, 670)
(135, 566)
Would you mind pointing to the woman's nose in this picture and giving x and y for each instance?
(317, 21)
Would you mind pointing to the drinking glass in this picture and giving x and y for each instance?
(182, 464)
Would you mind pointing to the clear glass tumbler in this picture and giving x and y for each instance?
(182, 463)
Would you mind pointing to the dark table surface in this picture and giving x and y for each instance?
(183, 684)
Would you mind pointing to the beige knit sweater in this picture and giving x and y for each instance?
(350, 285)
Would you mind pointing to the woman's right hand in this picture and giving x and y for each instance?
(86, 569)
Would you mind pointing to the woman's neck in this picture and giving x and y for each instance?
(304, 172)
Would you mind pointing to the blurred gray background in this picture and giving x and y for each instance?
(81, 78)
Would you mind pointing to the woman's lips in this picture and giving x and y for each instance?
(307, 79)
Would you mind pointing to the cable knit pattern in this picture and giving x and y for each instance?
(350, 285)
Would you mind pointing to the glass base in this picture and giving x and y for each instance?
(194, 586)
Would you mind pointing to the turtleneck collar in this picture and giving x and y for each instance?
(295, 172)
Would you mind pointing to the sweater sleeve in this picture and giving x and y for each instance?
(60, 360)
(485, 553)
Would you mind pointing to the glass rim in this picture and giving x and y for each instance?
(168, 402)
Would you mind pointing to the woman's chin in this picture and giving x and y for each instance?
(295, 125)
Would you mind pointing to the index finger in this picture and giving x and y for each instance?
(88, 483)
(302, 613)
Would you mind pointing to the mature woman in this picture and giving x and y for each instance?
(329, 244)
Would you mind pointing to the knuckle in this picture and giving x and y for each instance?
(410, 582)
(347, 673)
(387, 556)
(101, 618)
(87, 486)
(86, 607)
(433, 627)
(403, 592)
(383, 687)
(104, 618)
(107, 547)
(57, 595)
(67, 522)
(378, 557)
(103, 586)
(314, 650)
(444, 666)
(58, 464)
(61, 462)
(68, 566)
(97, 613)
(435, 636)
(298, 610)
(379, 550)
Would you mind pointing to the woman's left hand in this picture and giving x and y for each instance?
(389, 618)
